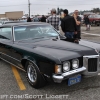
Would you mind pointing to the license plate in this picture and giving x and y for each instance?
(74, 80)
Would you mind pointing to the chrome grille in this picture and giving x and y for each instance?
(92, 65)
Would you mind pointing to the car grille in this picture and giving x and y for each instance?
(92, 65)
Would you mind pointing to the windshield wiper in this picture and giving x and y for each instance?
(38, 38)
(46, 37)
(55, 37)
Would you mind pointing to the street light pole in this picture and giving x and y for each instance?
(29, 7)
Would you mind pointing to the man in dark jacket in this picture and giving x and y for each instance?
(43, 18)
(68, 25)
(29, 19)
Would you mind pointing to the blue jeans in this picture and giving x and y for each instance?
(69, 34)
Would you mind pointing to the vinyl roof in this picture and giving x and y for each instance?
(24, 23)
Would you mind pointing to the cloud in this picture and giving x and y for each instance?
(44, 6)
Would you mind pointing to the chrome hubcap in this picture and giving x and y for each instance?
(32, 75)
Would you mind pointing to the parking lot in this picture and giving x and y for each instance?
(14, 85)
(92, 35)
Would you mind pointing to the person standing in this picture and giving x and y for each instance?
(54, 19)
(87, 22)
(78, 24)
(36, 19)
(68, 25)
(43, 18)
(29, 19)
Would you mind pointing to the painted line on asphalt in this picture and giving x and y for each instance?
(18, 78)
(91, 34)
(98, 73)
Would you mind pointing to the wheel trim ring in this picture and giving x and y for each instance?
(32, 75)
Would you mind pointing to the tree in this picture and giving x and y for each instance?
(96, 10)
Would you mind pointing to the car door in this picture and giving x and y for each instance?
(7, 51)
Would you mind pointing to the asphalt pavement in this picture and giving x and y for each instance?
(92, 35)
(14, 85)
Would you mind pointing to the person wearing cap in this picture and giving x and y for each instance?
(54, 19)
(78, 24)
(68, 25)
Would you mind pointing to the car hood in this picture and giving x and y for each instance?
(91, 44)
(58, 49)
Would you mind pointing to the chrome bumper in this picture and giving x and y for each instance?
(84, 70)
(60, 78)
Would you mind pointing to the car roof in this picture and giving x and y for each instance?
(24, 23)
(13, 21)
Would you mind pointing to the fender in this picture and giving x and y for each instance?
(31, 59)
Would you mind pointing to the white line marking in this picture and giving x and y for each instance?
(98, 73)
(91, 34)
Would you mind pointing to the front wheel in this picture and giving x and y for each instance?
(33, 75)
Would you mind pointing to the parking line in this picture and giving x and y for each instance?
(91, 34)
(18, 78)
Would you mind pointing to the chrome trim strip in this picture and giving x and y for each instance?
(74, 71)
(11, 57)
(13, 64)
(91, 56)
(60, 78)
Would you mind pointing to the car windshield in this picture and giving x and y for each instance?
(34, 32)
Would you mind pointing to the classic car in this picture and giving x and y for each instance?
(45, 55)
(94, 19)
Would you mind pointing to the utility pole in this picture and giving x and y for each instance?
(29, 7)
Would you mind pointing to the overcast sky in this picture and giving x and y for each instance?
(44, 6)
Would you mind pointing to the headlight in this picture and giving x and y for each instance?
(75, 64)
(66, 66)
(58, 69)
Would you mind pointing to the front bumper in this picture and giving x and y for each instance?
(60, 78)
(90, 68)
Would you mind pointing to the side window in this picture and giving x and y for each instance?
(5, 33)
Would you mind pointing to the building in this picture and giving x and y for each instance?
(12, 15)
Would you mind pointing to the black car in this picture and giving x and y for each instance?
(45, 55)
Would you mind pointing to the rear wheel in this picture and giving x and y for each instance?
(33, 75)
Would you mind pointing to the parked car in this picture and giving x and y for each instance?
(94, 19)
(4, 19)
(40, 51)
